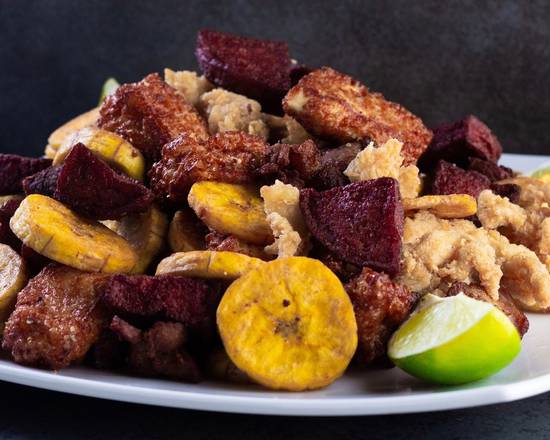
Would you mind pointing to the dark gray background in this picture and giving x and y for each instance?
(440, 59)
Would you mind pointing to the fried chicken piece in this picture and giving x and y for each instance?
(335, 106)
(504, 303)
(56, 319)
(149, 114)
(158, 351)
(380, 306)
(229, 243)
(230, 157)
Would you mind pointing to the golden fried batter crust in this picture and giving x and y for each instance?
(148, 114)
(335, 106)
(56, 318)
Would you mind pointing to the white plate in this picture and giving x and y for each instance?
(358, 393)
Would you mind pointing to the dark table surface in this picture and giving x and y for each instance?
(442, 60)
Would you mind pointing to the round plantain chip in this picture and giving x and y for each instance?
(13, 277)
(53, 230)
(231, 209)
(208, 264)
(289, 324)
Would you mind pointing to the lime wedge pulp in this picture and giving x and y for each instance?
(109, 87)
(454, 340)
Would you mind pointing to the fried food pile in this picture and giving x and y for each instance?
(266, 221)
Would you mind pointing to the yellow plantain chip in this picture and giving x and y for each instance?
(49, 152)
(84, 120)
(231, 209)
(446, 206)
(13, 277)
(53, 230)
(289, 324)
(184, 233)
(109, 146)
(208, 264)
(145, 232)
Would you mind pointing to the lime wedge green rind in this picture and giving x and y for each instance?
(481, 351)
(109, 87)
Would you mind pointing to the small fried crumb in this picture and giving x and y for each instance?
(286, 129)
(287, 240)
(188, 84)
(494, 211)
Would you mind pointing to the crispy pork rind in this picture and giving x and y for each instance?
(14, 168)
(458, 141)
(259, 69)
(158, 351)
(380, 306)
(504, 303)
(334, 106)
(56, 319)
(88, 185)
(148, 114)
(44, 182)
(231, 157)
(450, 179)
(362, 222)
(141, 297)
(228, 111)
(385, 161)
(188, 84)
(333, 163)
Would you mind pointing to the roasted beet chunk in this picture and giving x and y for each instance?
(44, 182)
(490, 169)
(189, 301)
(88, 185)
(361, 223)
(510, 190)
(7, 209)
(333, 164)
(458, 141)
(380, 306)
(13, 169)
(450, 179)
(259, 69)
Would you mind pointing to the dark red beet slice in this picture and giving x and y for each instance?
(189, 301)
(489, 169)
(460, 140)
(44, 182)
(259, 69)
(14, 168)
(510, 190)
(361, 223)
(35, 261)
(88, 185)
(450, 179)
(7, 209)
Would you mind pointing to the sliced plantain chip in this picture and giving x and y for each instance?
(208, 264)
(109, 146)
(13, 277)
(53, 230)
(231, 209)
(289, 324)
(145, 232)
(446, 206)
(84, 120)
(184, 234)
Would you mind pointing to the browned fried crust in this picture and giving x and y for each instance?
(231, 156)
(380, 307)
(335, 106)
(148, 114)
(56, 319)
(504, 303)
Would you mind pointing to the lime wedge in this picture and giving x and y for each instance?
(109, 87)
(454, 340)
(542, 174)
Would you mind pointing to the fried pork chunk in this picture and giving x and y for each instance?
(437, 253)
(335, 106)
(56, 319)
(380, 306)
(229, 156)
(148, 114)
